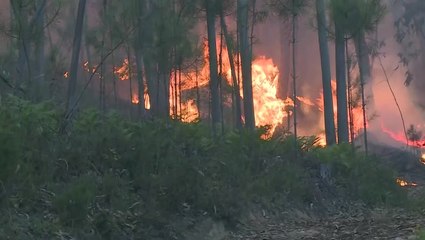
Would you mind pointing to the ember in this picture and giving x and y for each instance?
(404, 183)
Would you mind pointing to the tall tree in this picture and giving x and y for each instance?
(230, 52)
(76, 45)
(246, 60)
(212, 51)
(326, 73)
(339, 18)
(367, 14)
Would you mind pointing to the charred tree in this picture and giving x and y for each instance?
(326, 73)
(246, 60)
(212, 50)
(236, 88)
(341, 84)
(76, 45)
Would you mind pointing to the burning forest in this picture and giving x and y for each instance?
(122, 115)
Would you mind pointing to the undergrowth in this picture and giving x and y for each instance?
(111, 178)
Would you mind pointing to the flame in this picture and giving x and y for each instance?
(268, 108)
(135, 99)
(401, 138)
(123, 72)
(357, 113)
(423, 158)
(66, 74)
(404, 183)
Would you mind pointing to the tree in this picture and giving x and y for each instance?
(212, 51)
(338, 10)
(326, 73)
(230, 51)
(246, 60)
(76, 45)
(290, 10)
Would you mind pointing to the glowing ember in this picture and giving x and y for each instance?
(135, 99)
(123, 71)
(147, 101)
(404, 183)
(66, 74)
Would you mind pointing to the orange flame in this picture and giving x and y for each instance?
(357, 120)
(123, 71)
(404, 183)
(135, 99)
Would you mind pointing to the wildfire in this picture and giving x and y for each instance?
(404, 183)
(66, 74)
(401, 137)
(123, 72)
(135, 99)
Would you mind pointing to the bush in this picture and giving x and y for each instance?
(72, 205)
(361, 177)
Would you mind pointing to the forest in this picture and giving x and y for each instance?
(212, 119)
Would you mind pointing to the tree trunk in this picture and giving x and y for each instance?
(212, 50)
(294, 76)
(341, 85)
(326, 73)
(72, 84)
(236, 89)
(139, 62)
(39, 51)
(285, 63)
(243, 7)
(364, 68)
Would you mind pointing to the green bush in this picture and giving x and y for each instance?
(72, 205)
(361, 177)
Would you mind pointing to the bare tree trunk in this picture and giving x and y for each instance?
(294, 75)
(212, 50)
(243, 8)
(72, 84)
(364, 68)
(341, 85)
(198, 95)
(23, 71)
(39, 78)
(236, 88)
(350, 94)
(326, 73)
(284, 65)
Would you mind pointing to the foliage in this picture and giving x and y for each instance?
(111, 178)
(357, 15)
(360, 176)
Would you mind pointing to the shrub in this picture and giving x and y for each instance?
(361, 177)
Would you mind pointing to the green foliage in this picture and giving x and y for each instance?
(421, 235)
(361, 177)
(356, 16)
(110, 178)
(72, 205)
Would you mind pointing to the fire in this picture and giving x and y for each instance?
(401, 137)
(268, 108)
(357, 113)
(422, 160)
(135, 99)
(404, 183)
(66, 74)
(123, 72)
